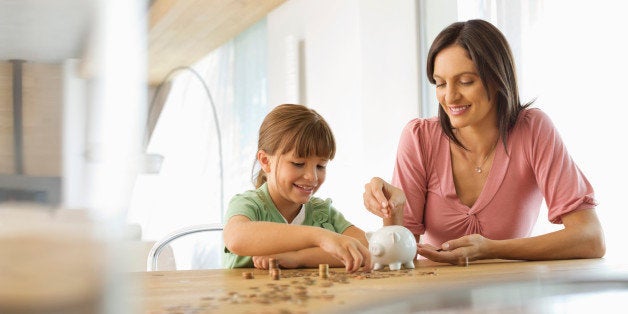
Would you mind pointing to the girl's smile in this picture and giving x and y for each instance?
(292, 181)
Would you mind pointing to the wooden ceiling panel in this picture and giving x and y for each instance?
(181, 32)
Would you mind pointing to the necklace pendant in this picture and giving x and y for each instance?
(478, 169)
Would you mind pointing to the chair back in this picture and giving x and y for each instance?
(194, 247)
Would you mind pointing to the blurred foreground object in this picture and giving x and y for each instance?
(48, 265)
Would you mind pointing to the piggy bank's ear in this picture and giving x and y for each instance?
(395, 237)
(369, 234)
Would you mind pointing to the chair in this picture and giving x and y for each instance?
(194, 247)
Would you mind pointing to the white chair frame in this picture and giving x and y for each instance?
(153, 255)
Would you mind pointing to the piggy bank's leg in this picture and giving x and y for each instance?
(377, 266)
(395, 266)
(409, 265)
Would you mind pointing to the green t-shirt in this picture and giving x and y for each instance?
(258, 206)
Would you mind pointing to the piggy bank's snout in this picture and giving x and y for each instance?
(376, 249)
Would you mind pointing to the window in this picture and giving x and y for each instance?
(187, 189)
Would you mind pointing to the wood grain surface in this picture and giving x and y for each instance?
(302, 291)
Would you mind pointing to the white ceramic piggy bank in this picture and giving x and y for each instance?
(392, 246)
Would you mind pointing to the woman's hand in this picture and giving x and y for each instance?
(383, 199)
(582, 237)
(457, 252)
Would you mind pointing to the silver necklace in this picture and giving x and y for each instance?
(478, 169)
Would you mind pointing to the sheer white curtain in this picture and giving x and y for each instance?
(187, 189)
(518, 20)
(571, 56)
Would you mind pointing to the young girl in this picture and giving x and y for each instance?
(281, 219)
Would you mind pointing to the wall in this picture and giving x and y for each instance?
(41, 110)
(355, 62)
(74, 135)
(32, 173)
(6, 119)
(436, 16)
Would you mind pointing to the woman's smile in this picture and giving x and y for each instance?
(458, 110)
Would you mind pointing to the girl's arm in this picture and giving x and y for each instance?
(305, 258)
(259, 238)
(310, 257)
(358, 234)
(582, 237)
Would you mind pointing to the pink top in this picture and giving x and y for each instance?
(538, 165)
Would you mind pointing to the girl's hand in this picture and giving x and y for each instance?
(383, 199)
(260, 262)
(457, 252)
(284, 260)
(348, 250)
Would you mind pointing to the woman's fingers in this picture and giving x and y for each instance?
(457, 251)
(375, 199)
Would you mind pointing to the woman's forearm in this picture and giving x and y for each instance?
(582, 237)
(396, 219)
(561, 244)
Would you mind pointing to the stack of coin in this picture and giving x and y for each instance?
(247, 275)
(323, 271)
(275, 273)
(273, 269)
(272, 264)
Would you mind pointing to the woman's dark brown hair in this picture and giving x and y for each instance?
(291, 127)
(488, 49)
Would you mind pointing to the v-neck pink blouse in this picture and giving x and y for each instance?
(536, 166)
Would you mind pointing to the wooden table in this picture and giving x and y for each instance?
(504, 285)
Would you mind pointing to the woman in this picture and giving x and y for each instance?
(474, 177)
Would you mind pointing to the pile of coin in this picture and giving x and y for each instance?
(273, 269)
(323, 271)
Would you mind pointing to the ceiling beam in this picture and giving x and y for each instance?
(181, 32)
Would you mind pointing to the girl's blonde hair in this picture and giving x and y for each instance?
(297, 128)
